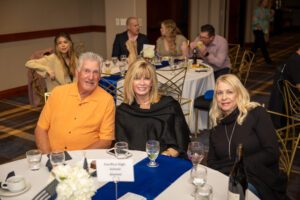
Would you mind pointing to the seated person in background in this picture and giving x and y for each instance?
(146, 115)
(171, 42)
(79, 115)
(236, 120)
(58, 68)
(130, 42)
(290, 71)
(213, 49)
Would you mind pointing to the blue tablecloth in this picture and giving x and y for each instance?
(149, 182)
(109, 83)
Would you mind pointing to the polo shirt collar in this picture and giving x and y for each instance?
(74, 92)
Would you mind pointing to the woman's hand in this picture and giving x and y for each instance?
(170, 152)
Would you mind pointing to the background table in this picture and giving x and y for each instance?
(180, 189)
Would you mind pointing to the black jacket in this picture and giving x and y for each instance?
(164, 122)
(261, 151)
(119, 47)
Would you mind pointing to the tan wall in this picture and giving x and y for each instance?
(207, 12)
(122, 9)
(33, 15)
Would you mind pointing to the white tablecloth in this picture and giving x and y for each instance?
(180, 189)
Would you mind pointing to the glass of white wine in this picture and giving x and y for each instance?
(152, 149)
(107, 67)
(114, 61)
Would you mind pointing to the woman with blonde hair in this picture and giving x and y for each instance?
(236, 120)
(57, 68)
(146, 115)
(171, 42)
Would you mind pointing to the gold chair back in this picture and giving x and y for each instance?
(244, 68)
(187, 107)
(46, 95)
(292, 99)
(288, 139)
(171, 81)
(115, 91)
(233, 53)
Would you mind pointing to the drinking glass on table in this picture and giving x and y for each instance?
(114, 60)
(34, 159)
(152, 149)
(198, 177)
(204, 193)
(121, 150)
(107, 67)
(171, 63)
(195, 152)
(122, 67)
(123, 58)
(57, 158)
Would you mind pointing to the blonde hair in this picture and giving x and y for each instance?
(171, 31)
(140, 68)
(242, 98)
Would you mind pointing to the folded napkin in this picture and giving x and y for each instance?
(10, 174)
(49, 165)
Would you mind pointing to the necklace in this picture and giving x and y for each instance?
(229, 139)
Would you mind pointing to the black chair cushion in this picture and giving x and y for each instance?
(201, 103)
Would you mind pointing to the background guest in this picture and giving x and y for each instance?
(237, 120)
(58, 68)
(213, 49)
(171, 42)
(131, 41)
(260, 25)
(79, 115)
(146, 115)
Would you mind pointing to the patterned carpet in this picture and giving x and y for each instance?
(18, 119)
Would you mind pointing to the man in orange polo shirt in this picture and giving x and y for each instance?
(78, 115)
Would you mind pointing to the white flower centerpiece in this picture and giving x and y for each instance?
(74, 183)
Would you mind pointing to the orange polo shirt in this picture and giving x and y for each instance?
(73, 123)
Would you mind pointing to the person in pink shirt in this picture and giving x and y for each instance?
(213, 49)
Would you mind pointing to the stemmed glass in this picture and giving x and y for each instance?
(122, 67)
(114, 60)
(171, 63)
(152, 149)
(123, 58)
(195, 152)
(198, 176)
(107, 67)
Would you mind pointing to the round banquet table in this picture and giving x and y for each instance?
(180, 189)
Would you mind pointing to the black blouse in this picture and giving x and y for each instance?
(261, 151)
(164, 121)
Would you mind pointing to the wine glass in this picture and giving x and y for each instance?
(195, 152)
(114, 60)
(57, 158)
(171, 63)
(107, 67)
(152, 149)
(123, 58)
(198, 177)
(122, 67)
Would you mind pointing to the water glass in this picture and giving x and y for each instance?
(107, 67)
(34, 158)
(198, 177)
(57, 158)
(122, 67)
(114, 60)
(204, 193)
(123, 58)
(152, 149)
(121, 150)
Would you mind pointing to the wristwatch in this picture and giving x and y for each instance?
(207, 54)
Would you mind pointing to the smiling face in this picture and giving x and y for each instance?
(226, 98)
(63, 45)
(88, 77)
(142, 86)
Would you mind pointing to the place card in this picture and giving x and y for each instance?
(115, 170)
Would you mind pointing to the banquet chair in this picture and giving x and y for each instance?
(291, 99)
(233, 53)
(171, 81)
(116, 91)
(242, 71)
(186, 106)
(288, 144)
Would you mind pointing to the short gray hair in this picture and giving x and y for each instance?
(89, 56)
